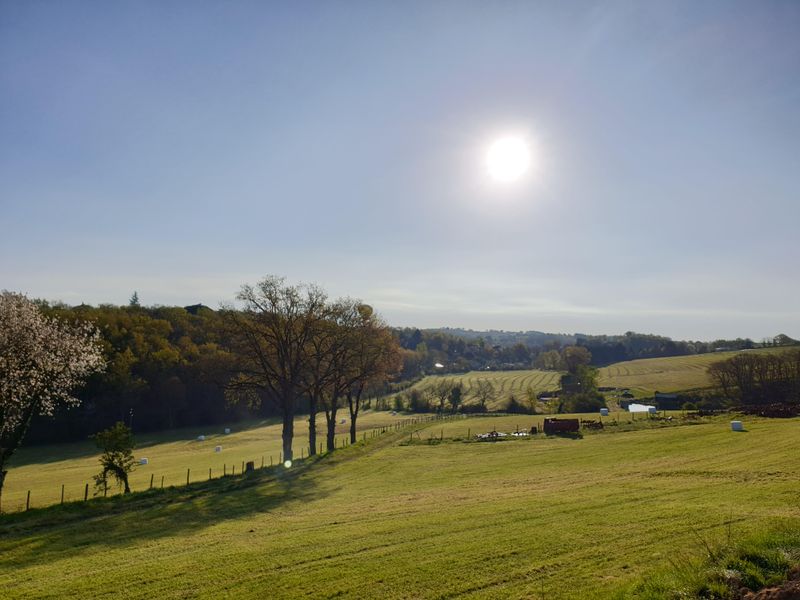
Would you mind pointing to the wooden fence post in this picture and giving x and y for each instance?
(28, 501)
(62, 493)
(162, 482)
(86, 493)
(209, 473)
(262, 461)
(224, 470)
(187, 476)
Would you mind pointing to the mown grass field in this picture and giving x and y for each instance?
(43, 469)
(672, 374)
(505, 383)
(643, 377)
(529, 518)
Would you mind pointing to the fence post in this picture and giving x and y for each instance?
(28, 501)
(162, 482)
(224, 469)
(62, 493)
(187, 476)
(151, 480)
(262, 461)
(209, 473)
(86, 493)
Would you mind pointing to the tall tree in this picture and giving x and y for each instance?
(273, 333)
(42, 360)
(375, 358)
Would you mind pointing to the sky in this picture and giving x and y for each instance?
(182, 149)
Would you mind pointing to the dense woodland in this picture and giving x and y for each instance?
(169, 366)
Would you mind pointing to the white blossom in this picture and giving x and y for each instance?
(42, 361)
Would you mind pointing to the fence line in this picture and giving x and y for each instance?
(374, 432)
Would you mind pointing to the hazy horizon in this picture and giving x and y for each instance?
(184, 149)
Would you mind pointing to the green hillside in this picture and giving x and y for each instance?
(505, 383)
(672, 374)
(528, 518)
(643, 377)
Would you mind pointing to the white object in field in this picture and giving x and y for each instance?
(394, 412)
(144, 461)
(652, 410)
(737, 426)
(201, 438)
(603, 412)
(439, 366)
(641, 408)
(227, 430)
(218, 449)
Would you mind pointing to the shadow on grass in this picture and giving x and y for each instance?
(43, 535)
(50, 453)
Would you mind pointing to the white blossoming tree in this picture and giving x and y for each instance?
(42, 360)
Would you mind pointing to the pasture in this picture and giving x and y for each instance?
(528, 518)
(642, 377)
(671, 374)
(504, 383)
(43, 469)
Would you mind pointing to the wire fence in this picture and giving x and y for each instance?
(238, 468)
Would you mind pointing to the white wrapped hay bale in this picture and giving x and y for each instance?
(737, 426)
(144, 461)
(603, 412)
(201, 438)
(218, 449)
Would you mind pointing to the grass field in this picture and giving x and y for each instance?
(529, 518)
(505, 383)
(672, 374)
(43, 469)
(643, 377)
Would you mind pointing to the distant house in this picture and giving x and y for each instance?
(667, 401)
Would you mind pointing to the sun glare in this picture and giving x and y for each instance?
(508, 159)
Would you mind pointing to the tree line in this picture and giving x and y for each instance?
(758, 379)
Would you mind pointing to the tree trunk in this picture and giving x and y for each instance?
(312, 426)
(330, 417)
(354, 404)
(2, 479)
(288, 430)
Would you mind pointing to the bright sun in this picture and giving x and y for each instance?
(508, 159)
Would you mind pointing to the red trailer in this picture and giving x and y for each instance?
(552, 426)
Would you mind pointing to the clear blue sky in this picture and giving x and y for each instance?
(181, 149)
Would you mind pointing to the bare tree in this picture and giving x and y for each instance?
(376, 358)
(441, 392)
(42, 360)
(274, 333)
(484, 392)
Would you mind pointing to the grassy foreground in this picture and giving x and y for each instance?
(530, 518)
(43, 469)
